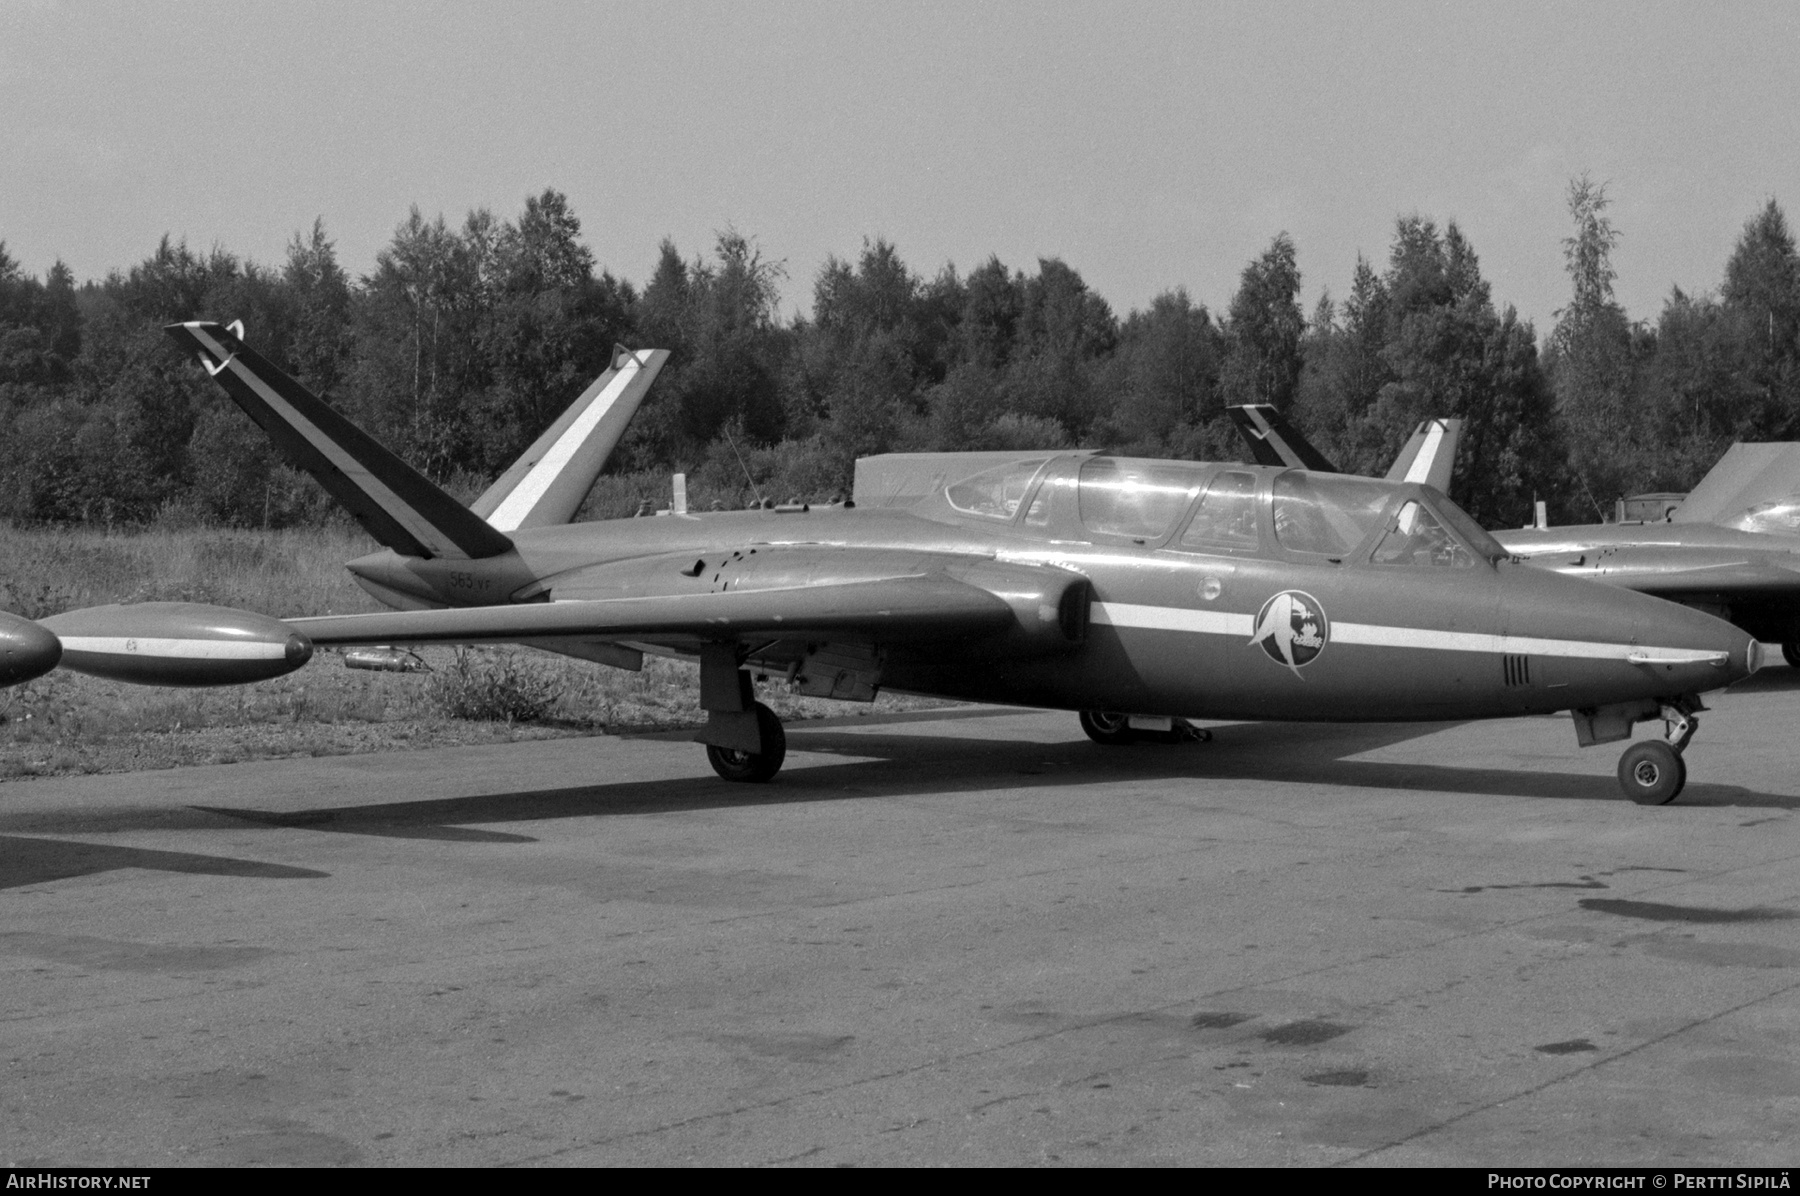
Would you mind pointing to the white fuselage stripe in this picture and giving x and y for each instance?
(1170, 618)
(1173, 618)
(531, 488)
(174, 649)
(401, 511)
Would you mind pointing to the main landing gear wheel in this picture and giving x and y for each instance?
(757, 767)
(1115, 730)
(1108, 727)
(1790, 652)
(1652, 773)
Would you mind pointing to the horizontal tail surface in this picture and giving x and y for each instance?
(397, 504)
(545, 486)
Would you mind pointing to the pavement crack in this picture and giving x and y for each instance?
(1553, 1081)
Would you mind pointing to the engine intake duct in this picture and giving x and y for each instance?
(1050, 605)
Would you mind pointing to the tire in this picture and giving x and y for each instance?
(1790, 652)
(1108, 727)
(1651, 773)
(753, 767)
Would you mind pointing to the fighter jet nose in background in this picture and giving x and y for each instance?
(26, 650)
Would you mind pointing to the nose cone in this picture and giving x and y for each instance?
(1723, 653)
(1685, 646)
(1615, 641)
(26, 650)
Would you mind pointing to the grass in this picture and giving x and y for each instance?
(66, 723)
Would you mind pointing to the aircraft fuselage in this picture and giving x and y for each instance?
(1261, 630)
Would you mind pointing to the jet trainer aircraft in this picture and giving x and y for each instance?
(1132, 591)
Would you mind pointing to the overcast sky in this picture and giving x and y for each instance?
(1149, 145)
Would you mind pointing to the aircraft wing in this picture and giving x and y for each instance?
(918, 608)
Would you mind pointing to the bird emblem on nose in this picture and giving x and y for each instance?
(1292, 629)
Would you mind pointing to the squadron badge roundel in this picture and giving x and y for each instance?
(1292, 629)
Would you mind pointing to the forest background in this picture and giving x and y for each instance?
(464, 342)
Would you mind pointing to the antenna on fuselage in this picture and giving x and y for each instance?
(740, 460)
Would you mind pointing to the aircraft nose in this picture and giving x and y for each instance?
(26, 650)
(1611, 642)
(1702, 651)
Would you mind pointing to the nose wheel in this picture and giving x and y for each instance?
(1652, 773)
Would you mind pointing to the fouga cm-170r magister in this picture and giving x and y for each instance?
(1133, 591)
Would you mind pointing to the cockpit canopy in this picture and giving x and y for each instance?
(1189, 506)
(995, 493)
(1120, 496)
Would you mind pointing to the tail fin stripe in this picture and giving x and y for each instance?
(398, 505)
(1421, 466)
(518, 504)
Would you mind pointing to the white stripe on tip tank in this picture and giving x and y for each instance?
(401, 511)
(1171, 618)
(138, 645)
(526, 495)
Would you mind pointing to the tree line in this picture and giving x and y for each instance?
(464, 342)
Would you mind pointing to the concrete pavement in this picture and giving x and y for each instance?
(967, 936)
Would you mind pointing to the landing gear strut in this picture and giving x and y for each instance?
(1652, 773)
(758, 766)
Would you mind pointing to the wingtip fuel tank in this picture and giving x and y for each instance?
(26, 650)
(178, 643)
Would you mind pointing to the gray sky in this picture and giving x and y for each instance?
(1149, 145)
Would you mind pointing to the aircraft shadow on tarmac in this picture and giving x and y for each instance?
(27, 861)
(906, 765)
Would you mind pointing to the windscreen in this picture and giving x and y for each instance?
(1416, 538)
(1142, 499)
(1327, 513)
(1464, 525)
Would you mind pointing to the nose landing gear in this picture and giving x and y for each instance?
(1652, 773)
